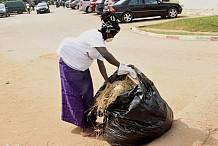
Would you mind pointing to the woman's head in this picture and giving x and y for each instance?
(110, 26)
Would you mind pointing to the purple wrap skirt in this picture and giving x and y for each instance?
(77, 93)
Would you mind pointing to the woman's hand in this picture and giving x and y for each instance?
(108, 84)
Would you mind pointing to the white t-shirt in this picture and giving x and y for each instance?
(79, 53)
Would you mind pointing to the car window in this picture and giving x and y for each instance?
(151, 1)
(135, 2)
(9, 4)
(106, 2)
(2, 6)
(42, 4)
(100, 1)
(119, 2)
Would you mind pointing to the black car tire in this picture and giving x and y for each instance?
(172, 12)
(76, 7)
(88, 10)
(19, 11)
(127, 17)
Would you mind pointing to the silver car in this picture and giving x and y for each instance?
(3, 11)
(75, 4)
(84, 5)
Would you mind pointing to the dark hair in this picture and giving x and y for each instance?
(109, 23)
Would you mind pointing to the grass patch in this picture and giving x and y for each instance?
(200, 25)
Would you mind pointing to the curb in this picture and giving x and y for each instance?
(176, 37)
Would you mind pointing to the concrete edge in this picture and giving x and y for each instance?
(176, 37)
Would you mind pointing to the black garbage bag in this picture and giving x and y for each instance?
(137, 116)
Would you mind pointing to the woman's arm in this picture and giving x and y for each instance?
(108, 56)
(102, 69)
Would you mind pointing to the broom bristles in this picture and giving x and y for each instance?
(109, 94)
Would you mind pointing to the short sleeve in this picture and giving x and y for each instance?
(96, 39)
(100, 57)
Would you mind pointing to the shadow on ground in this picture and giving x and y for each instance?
(182, 133)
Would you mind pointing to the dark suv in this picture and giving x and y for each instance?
(15, 6)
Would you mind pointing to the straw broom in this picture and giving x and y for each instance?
(108, 96)
(110, 93)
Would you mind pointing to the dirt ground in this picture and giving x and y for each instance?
(184, 72)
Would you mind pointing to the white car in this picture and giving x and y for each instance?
(3, 11)
(84, 5)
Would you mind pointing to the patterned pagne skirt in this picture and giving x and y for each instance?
(77, 93)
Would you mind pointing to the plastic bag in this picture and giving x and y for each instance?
(137, 116)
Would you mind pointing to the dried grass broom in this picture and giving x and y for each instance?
(109, 94)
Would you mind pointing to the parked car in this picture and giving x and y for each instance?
(75, 4)
(3, 10)
(67, 4)
(15, 6)
(99, 6)
(32, 5)
(127, 10)
(84, 5)
(92, 5)
(42, 8)
(108, 4)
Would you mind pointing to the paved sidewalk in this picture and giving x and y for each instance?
(199, 12)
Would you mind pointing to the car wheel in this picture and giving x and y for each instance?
(20, 12)
(127, 17)
(172, 13)
(88, 10)
(76, 7)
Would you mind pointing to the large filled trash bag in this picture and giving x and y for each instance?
(137, 116)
